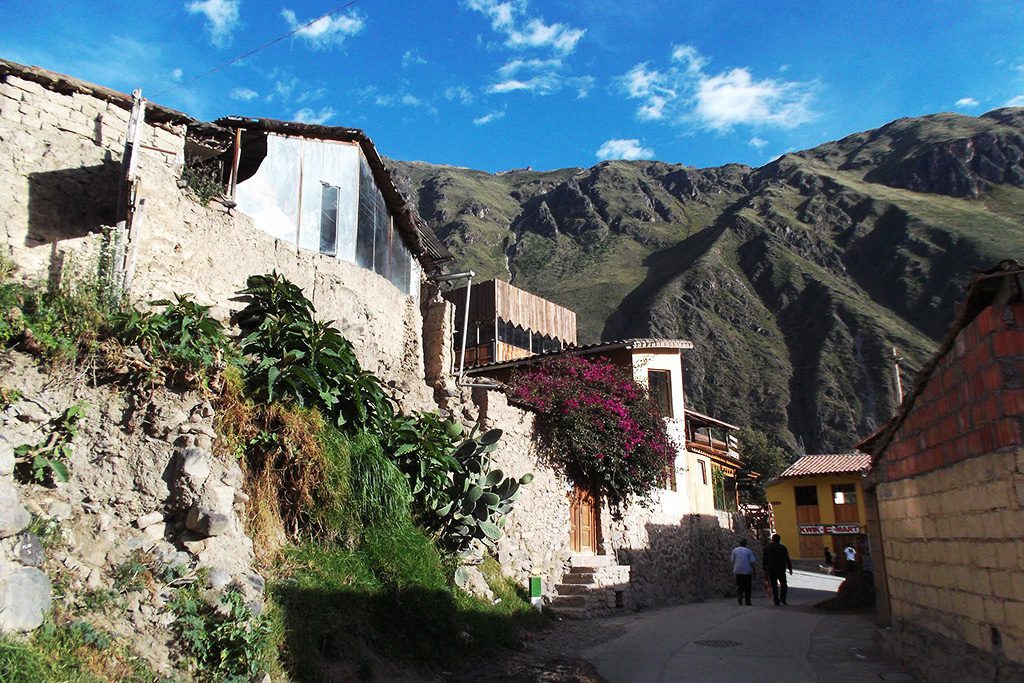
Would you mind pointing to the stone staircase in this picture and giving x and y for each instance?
(594, 586)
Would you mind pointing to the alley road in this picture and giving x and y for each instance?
(719, 640)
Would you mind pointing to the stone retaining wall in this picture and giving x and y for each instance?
(60, 165)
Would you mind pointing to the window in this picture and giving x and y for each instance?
(703, 472)
(371, 202)
(329, 219)
(659, 383)
(806, 495)
(844, 494)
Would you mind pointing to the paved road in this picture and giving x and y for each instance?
(719, 640)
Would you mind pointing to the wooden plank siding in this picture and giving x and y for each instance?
(494, 300)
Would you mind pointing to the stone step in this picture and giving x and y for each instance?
(592, 561)
(573, 588)
(578, 577)
(571, 612)
(559, 601)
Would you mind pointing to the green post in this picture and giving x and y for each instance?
(536, 592)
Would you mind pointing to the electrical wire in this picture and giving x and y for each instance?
(255, 50)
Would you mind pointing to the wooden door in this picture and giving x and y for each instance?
(844, 502)
(582, 522)
(807, 512)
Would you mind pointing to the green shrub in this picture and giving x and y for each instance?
(47, 460)
(299, 359)
(225, 644)
(183, 336)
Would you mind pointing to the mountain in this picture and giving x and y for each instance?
(794, 280)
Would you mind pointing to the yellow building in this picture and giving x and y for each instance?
(818, 502)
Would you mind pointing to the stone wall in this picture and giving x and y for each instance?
(536, 538)
(60, 163)
(675, 560)
(950, 497)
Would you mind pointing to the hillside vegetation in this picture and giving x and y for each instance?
(793, 280)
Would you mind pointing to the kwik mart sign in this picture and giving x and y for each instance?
(819, 529)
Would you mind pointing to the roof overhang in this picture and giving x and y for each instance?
(694, 416)
(638, 343)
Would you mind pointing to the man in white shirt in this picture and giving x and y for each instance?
(743, 567)
(851, 554)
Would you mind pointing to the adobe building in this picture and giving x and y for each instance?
(946, 497)
(818, 503)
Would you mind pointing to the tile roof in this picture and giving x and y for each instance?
(828, 464)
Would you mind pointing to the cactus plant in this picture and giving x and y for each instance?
(479, 498)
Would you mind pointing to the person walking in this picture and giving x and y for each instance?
(776, 561)
(743, 566)
(851, 555)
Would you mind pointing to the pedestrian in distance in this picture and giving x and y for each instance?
(743, 566)
(776, 561)
(851, 555)
(829, 562)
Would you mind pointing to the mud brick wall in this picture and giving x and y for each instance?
(951, 508)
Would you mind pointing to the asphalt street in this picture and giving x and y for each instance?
(719, 640)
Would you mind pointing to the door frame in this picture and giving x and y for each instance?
(583, 506)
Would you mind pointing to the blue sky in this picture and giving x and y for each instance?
(494, 84)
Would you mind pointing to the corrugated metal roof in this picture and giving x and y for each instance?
(844, 463)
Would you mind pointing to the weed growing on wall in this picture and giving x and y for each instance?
(47, 460)
(598, 426)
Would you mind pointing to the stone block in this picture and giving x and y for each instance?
(13, 515)
(25, 85)
(24, 600)
(206, 522)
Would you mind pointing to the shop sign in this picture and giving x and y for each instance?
(836, 529)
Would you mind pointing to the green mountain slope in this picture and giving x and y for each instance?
(793, 280)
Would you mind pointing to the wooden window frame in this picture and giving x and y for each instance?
(667, 395)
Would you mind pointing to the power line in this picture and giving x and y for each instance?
(255, 50)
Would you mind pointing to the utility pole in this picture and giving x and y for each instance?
(896, 358)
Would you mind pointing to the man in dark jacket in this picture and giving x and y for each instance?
(776, 562)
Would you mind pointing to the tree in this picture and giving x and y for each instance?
(762, 456)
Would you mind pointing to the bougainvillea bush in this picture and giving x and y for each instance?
(599, 426)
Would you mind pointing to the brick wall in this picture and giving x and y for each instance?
(973, 402)
(950, 493)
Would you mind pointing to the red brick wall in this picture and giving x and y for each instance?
(973, 402)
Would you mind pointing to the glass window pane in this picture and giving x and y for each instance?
(329, 219)
(806, 495)
(365, 225)
(659, 383)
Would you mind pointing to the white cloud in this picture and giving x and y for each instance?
(307, 115)
(488, 118)
(459, 93)
(539, 77)
(515, 66)
(410, 57)
(1017, 101)
(244, 94)
(326, 31)
(757, 143)
(685, 91)
(176, 74)
(221, 18)
(967, 102)
(624, 149)
(523, 32)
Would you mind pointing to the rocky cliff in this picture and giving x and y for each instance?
(794, 280)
